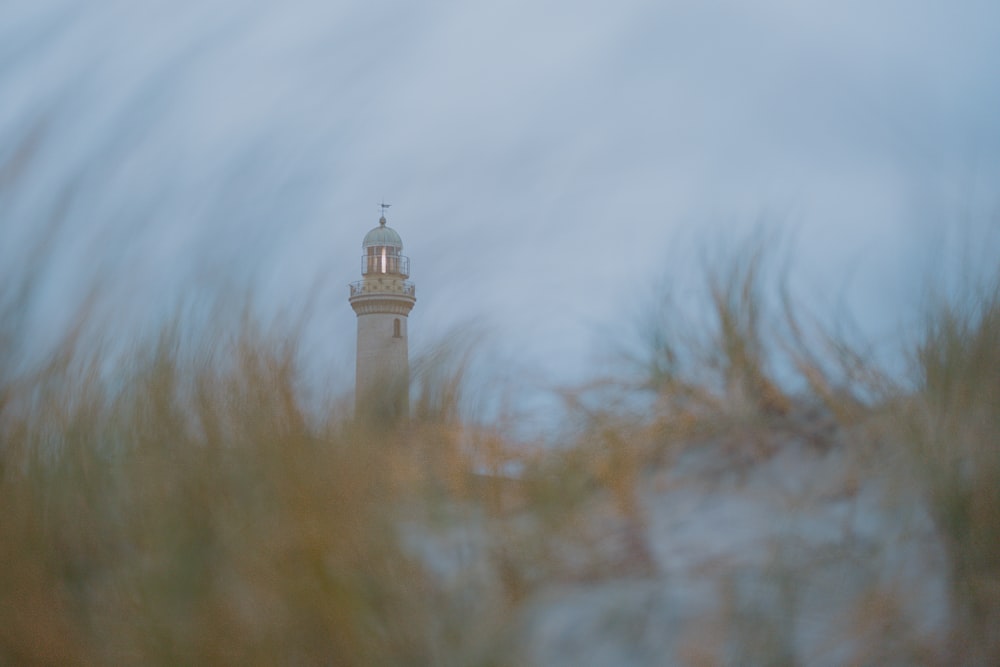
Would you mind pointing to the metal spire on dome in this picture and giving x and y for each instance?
(383, 206)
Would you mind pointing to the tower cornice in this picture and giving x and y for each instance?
(394, 304)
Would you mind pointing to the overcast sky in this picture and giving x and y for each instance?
(546, 161)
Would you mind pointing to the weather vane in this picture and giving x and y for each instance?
(384, 206)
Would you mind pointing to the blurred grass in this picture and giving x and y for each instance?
(952, 435)
(179, 504)
(185, 512)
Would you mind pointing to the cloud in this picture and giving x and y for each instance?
(542, 156)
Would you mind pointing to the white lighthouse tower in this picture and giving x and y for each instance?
(382, 300)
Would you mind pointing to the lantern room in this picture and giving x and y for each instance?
(383, 249)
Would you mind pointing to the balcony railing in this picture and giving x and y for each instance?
(406, 288)
(394, 264)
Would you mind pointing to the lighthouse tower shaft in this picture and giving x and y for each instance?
(382, 300)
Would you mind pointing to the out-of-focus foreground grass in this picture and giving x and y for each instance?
(187, 511)
(952, 436)
(180, 505)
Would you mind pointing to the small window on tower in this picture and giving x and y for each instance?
(396, 329)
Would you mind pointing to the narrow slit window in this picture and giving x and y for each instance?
(397, 328)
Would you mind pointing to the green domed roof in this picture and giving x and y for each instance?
(382, 235)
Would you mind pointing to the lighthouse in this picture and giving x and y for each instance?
(382, 300)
